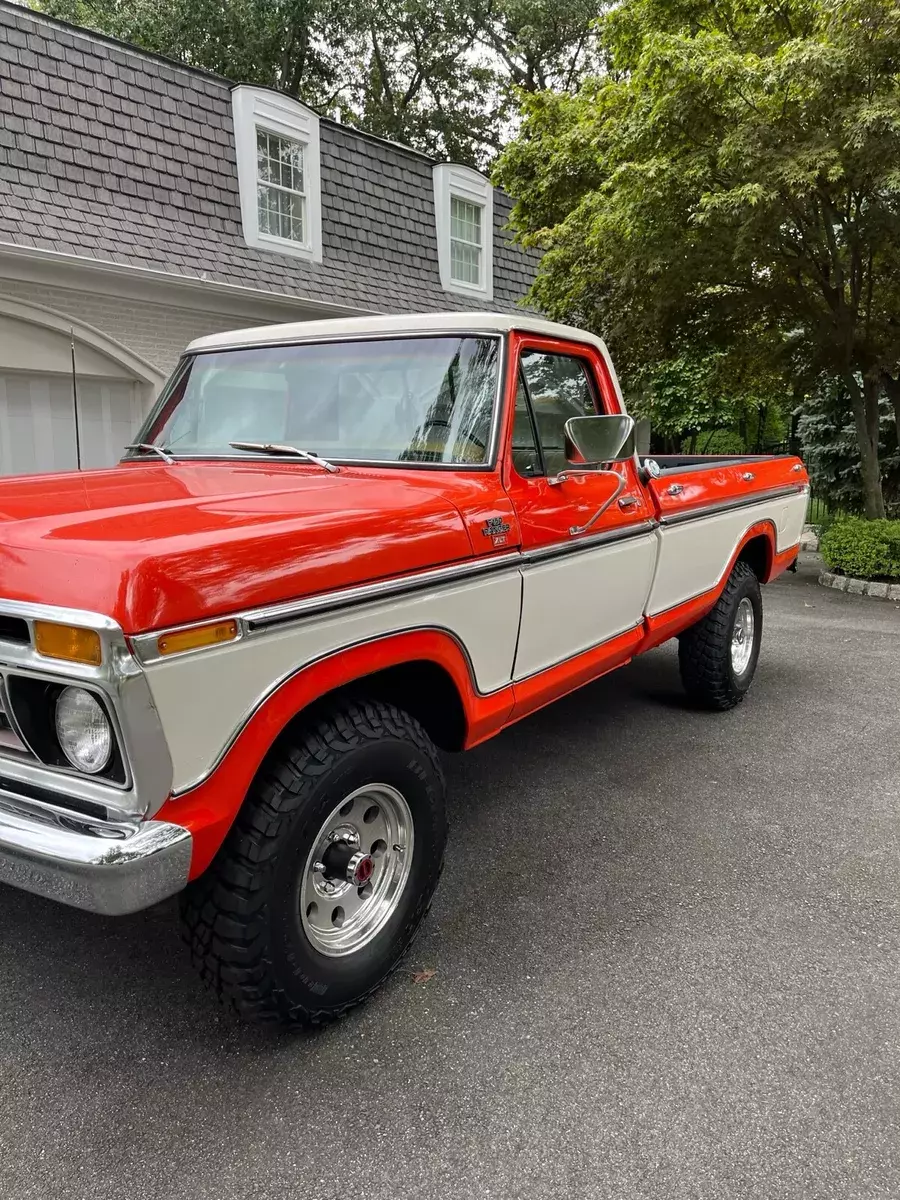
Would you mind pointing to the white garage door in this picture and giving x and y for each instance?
(37, 421)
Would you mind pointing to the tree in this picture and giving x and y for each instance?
(733, 172)
(827, 437)
(541, 45)
(302, 47)
(425, 79)
(441, 75)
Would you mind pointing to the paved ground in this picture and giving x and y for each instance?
(666, 953)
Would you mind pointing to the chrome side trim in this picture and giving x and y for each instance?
(710, 510)
(255, 622)
(106, 869)
(568, 549)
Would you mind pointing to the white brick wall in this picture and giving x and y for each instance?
(156, 332)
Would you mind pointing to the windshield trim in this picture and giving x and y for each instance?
(490, 463)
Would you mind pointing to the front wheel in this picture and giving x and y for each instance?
(328, 871)
(718, 655)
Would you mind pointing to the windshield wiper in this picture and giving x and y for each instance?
(163, 454)
(278, 448)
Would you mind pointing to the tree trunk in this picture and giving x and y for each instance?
(864, 402)
(892, 387)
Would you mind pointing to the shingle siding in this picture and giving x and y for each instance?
(110, 153)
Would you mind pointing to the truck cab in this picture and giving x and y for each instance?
(336, 549)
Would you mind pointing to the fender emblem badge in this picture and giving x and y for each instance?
(496, 527)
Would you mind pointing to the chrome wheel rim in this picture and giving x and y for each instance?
(357, 870)
(742, 637)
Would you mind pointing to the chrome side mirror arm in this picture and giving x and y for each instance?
(575, 530)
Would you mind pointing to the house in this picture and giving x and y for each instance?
(144, 203)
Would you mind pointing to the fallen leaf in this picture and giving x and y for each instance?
(424, 975)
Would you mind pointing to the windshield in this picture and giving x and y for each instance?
(403, 400)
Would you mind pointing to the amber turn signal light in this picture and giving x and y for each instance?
(193, 639)
(67, 642)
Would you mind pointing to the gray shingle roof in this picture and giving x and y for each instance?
(112, 153)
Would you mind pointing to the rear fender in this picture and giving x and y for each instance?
(668, 624)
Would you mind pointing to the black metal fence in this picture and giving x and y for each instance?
(823, 510)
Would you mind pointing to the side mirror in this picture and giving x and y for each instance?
(602, 438)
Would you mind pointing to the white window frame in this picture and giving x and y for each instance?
(257, 108)
(450, 179)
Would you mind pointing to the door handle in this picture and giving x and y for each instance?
(675, 489)
(748, 477)
(628, 502)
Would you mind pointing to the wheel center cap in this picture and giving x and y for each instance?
(360, 869)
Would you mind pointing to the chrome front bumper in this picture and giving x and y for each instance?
(106, 868)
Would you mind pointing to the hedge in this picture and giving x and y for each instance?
(864, 549)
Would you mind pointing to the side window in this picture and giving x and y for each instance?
(559, 387)
(526, 456)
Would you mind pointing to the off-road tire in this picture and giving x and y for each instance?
(704, 650)
(241, 917)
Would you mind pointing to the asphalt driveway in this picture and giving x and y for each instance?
(666, 965)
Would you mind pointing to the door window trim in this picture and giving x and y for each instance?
(529, 404)
(587, 365)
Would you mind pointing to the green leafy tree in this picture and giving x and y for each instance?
(706, 403)
(425, 79)
(734, 172)
(827, 437)
(303, 47)
(441, 75)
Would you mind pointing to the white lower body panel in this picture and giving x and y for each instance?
(694, 555)
(205, 699)
(573, 603)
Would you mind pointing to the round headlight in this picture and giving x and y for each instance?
(83, 730)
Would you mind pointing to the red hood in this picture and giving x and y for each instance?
(154, 546)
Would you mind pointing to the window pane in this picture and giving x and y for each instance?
(465, 262)
(559, 389)
(419, 400)
(281, 214)
(279, 160)
(465, 221)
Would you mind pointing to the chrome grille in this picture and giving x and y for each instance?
(10, 742)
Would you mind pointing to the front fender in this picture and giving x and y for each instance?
(209, 809)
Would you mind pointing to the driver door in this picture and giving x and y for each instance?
(586, 576)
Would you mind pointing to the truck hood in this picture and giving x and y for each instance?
(154, 545)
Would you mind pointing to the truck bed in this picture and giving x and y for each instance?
(671, 463)
(688, 484)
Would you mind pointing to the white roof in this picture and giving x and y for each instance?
(445, 322)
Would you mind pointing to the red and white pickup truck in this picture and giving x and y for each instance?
(226, 664)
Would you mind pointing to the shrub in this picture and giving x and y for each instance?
(866, 549)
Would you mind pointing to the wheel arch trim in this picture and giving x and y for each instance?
(208, 806)
(666, 624)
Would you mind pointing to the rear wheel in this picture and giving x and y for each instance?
(328, 872)
(718, 655)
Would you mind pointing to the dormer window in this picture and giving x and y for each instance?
(464, 215)
(280, 198)
(277, 143)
